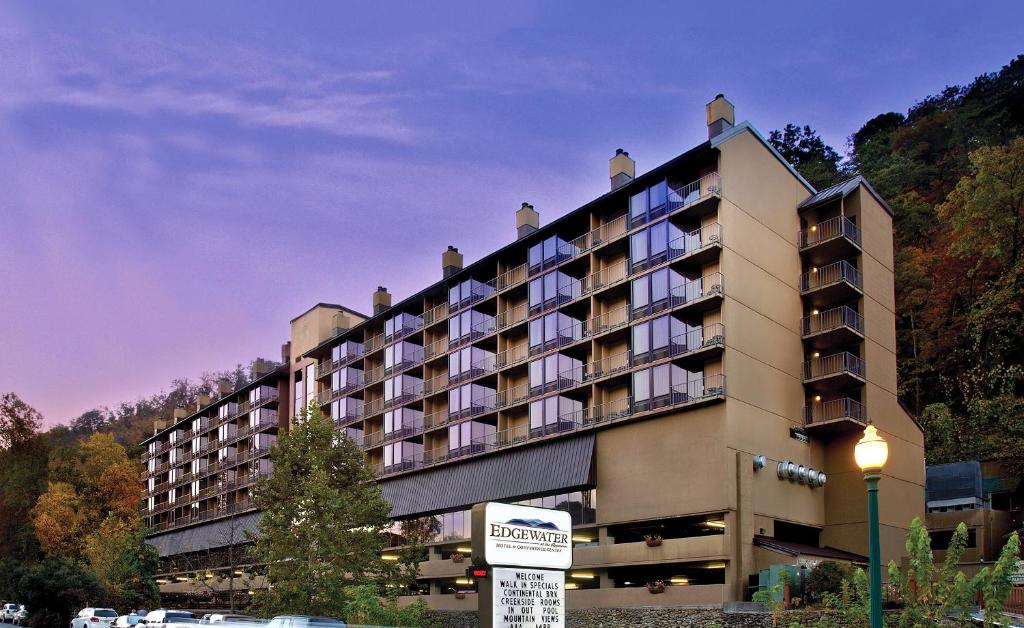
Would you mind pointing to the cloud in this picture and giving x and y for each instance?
(141, 76)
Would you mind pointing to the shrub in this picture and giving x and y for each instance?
(826, 577)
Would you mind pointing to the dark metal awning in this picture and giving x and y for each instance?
(563, 464)
(206, 536)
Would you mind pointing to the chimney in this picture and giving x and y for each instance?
(621, 169)
(223, 387)
(261, 367)
(721, 116)
(381, 300)
(527, 221)
(451, 261)
(180, 412)
(158, 425)
(286, 352)
(202, 399)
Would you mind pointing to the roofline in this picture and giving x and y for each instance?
(334, 306)
(542, 232)
(725, 136)
(878, 197)
(281, 370)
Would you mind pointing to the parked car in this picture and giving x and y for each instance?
(162, 617)
(224, 618)
(8, 611)
(21, 616)
(303, 621)
(94, 618)
(130, 619)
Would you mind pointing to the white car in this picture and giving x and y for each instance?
(94, 618)
(127, 620)
(21, 616)
(163, 616)
(8, 611)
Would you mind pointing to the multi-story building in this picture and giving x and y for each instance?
(684, 363)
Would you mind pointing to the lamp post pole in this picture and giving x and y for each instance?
(875, 550)
(871, 453)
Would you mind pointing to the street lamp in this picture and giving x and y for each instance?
(871, 453)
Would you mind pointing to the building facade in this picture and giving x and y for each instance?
(684, 364)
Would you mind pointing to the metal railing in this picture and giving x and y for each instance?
(837, 227)
(834, 409)
(692, 193)
(835, 318)
(705, 389)
(835, 364)
(832, 274)
(326, 367)
(512, 277)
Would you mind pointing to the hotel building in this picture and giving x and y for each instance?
(683, 363)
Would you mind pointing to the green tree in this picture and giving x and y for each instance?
(324, 522)
(23, 472)
(52, 590)
(810, 155)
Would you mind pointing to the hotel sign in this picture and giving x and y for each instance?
(528, 598)
(521, 536)
(528, 550)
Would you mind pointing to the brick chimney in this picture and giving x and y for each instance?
(451, 261)
(621, 169)
(202, 400)
(224, 387)
(381, 300)
(527, 221)
(721, 116)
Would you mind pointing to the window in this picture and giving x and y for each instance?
(401, 388)
(468, 292)
(661, 337)
(651, 292)
(402, 355)
(346, 408)
(553, 330)
(554, 372)
(402, 324)
(548, 253)
(469, 325)
(299, 396)
(407, 419)
(402, 455)
(469, 362)
(346, 379)
(554, 414)
(648, 204)
(346, 351)
(553, 289)
(470, 400)
(310, 384)
(665, 384)
(581, 505)
(470, 437)
(655, 245)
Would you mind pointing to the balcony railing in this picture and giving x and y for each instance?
(840, 363)
(830, 275)
(833, 410)
(828, 320)
(407, 429)
(435, 314)
(692, 193)
(837, 227)
(326, 367)
(698, 391)
(511, 277)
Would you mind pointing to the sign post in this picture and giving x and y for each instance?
(528, 550)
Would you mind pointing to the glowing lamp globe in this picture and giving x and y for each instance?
(871, 451)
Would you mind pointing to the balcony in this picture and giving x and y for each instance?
(833, 372)
(410, 428)
(835, 283)
(326, 367)
(832, 239)
(699, 392)
(834, 327)
(696, 197)
(834, 417)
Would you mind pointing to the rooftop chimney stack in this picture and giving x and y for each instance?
(527, 221)
(721, 116)
(224, 387)
(451, 261)
(381, 300)
(621, 169)
(202, 400)
(180, 412)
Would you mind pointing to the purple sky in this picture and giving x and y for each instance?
(178, 180)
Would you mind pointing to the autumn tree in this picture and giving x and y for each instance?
(23, 472)
(324, 522)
